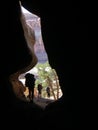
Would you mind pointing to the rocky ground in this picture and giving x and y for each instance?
(42, 102)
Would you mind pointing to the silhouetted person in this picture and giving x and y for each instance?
(39, 88)
(48, 92)
(30, 83)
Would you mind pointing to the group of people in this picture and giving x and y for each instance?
(30, 84)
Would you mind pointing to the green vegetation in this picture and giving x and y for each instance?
(47, 77)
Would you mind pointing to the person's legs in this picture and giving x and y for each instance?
(39, 94)
(30, 94)
(48, 95)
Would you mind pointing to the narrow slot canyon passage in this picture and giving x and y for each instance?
(42, 71)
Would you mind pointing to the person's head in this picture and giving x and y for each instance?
(29, 75)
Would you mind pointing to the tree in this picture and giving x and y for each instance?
(48, 77)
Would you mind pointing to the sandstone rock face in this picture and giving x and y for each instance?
(32, 31)
(34, 25)
(18, 87)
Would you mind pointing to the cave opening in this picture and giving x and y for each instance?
(43, 72)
